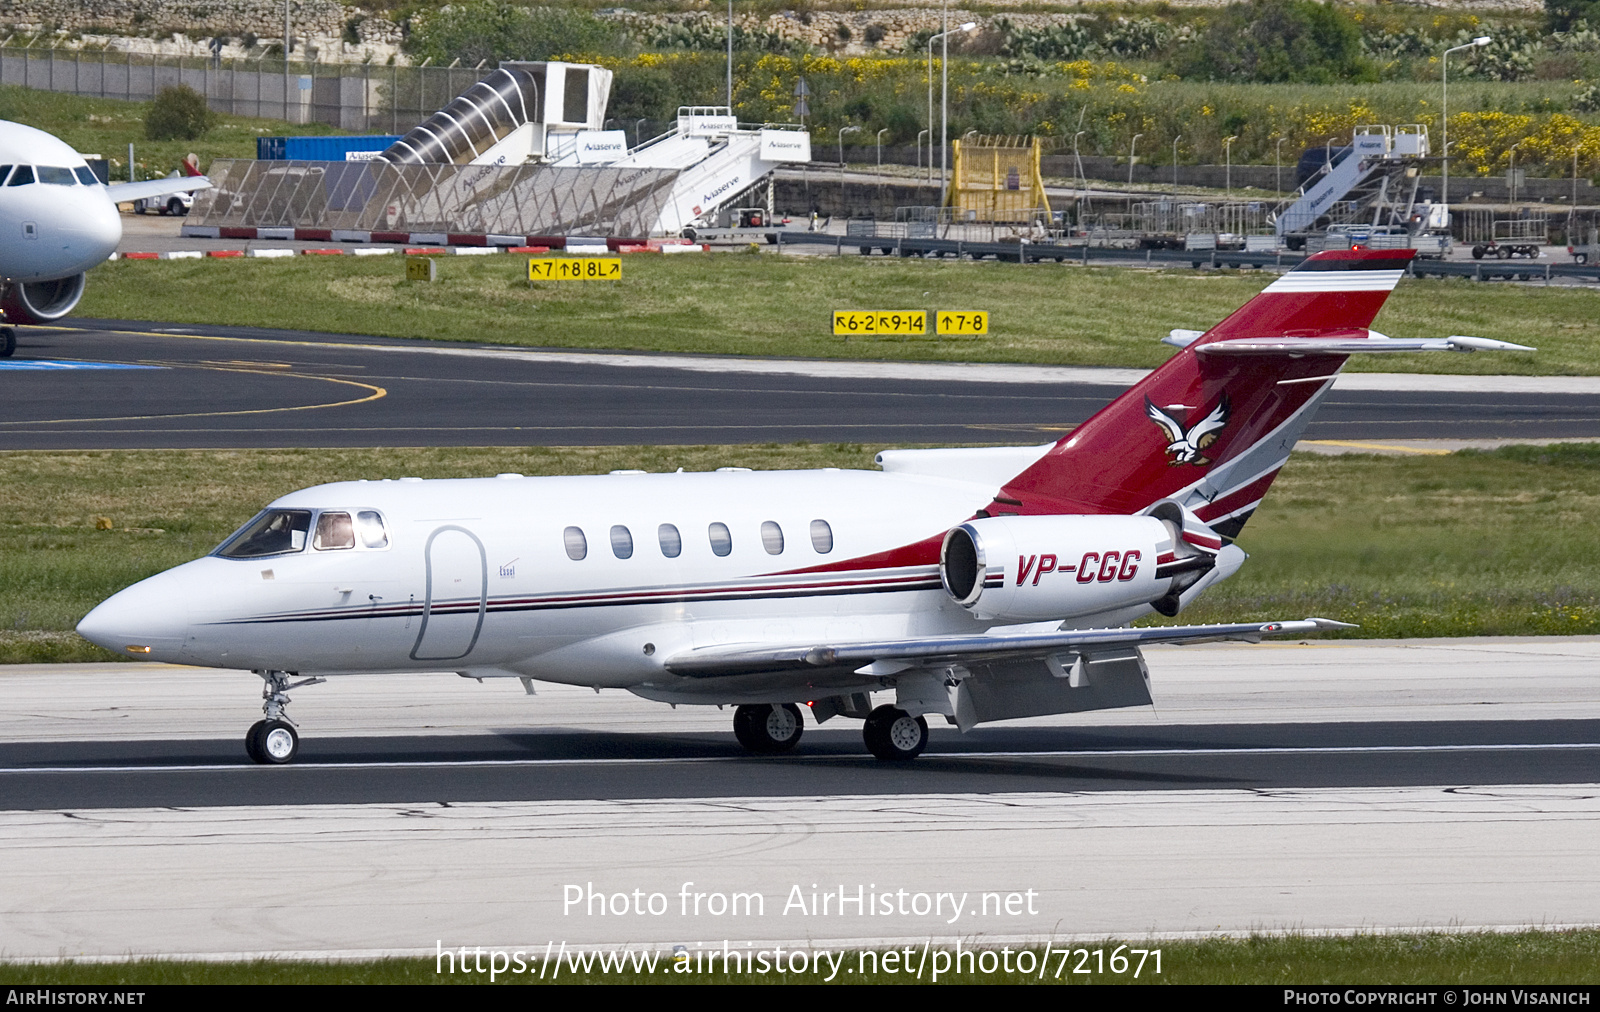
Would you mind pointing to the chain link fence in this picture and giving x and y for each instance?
(365, 97)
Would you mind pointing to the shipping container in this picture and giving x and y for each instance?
(322, 149)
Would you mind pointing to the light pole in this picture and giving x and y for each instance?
(944, 68)
(1572, 210)
(1175, 141)
(730, 57)
(1132, 147)
(1511, 172)
(842, 132)
(880, 149)
(1277, 165)
(930, 154)
(1227, 166)
(638, 130)
(1444, 95)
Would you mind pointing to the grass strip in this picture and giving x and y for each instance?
(737, 304)
(1472, 544)
(1441, 958)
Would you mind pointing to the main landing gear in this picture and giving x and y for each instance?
(274, 741)
(769, 728)
(8, 341)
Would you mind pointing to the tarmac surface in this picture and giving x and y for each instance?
(111, 384)
(1331, 786)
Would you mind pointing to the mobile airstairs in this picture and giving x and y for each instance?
(553, 114)
(1373, 185)
(522, 156)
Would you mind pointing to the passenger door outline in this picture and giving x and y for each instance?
(427, 603)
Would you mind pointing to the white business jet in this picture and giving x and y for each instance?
(972, 584)
(58, 221)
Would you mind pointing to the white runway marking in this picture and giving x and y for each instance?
(1109, 753)
(961, 372)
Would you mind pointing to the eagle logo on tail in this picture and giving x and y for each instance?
(1187, 444)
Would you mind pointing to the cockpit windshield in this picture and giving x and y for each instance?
(274, 532)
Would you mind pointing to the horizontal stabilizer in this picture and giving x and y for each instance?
(708, 662)
(1358, 346)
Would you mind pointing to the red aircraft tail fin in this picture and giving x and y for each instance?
(1211, 427)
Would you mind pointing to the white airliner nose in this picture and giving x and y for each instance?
(103, 230)
(149, 620)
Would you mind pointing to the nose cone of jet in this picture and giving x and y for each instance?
(100, 230)
(148, 621)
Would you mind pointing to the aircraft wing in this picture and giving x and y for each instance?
(121, 193)
(735, 659)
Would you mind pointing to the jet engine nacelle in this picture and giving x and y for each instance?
(1022, 569)
(41, 301)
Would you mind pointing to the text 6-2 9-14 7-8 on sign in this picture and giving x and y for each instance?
(850, 323)
(575, 269)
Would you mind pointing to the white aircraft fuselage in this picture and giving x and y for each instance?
(58, 222)
(477, 575)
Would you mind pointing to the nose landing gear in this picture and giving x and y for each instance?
(274, 741)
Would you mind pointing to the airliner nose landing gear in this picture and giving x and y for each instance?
(766, 729)
(274, 741)
(892, 733)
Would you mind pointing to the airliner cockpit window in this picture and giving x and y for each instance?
(274, 532)
(334, 531)
(22, 177)
(5, 170)
(56, 176)
(369, 525)
(85, 175)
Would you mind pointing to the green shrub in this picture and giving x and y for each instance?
(178, 114)
(489, 31)
(1277, 41)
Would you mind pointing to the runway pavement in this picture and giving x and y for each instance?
(1332, 786)
(71, 388)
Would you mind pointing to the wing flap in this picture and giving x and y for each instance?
(738, 659)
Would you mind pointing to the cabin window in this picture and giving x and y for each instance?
(273, 532)
(577, 544)
(22, 177)
(821, 537)
(56, 176)
(334, 530)
(621, 542)
(721, 539)
(771, 537)
(671, 541)
(85, 175)
(369, 526)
